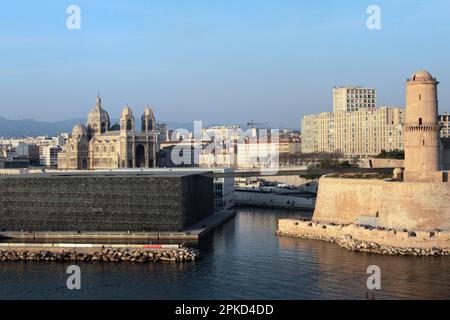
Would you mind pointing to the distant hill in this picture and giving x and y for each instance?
(31, 127)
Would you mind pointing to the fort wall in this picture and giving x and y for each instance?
(413, 205)
(382, 163)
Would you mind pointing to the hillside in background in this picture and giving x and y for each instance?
(31, 127)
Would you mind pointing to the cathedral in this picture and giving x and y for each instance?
(98, 145)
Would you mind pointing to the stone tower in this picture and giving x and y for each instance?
(148, 120)
(127, 120)
(127, 147)
(421, 129)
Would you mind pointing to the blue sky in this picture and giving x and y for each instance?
(217, 61)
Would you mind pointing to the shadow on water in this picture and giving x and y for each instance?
(243, 259)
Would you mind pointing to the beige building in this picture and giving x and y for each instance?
(353, 98)
(98, 145)
(365, 132)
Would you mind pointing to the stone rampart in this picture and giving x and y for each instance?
(419, 206)
(382, 163)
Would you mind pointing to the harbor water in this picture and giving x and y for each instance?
(242, 259)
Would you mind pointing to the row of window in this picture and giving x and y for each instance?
(104, 161)
(358, 91)
(105, 149)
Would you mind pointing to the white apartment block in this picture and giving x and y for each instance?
(48, 156)
(365, 132)
(351, 98)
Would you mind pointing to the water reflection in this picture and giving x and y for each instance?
(343, 273)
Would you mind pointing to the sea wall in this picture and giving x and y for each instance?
(129, 202)
(376, 240)
(273, 200)
(419, 206)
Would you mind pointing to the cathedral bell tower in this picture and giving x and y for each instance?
(126, 120)
(148, 120)
(127, 138)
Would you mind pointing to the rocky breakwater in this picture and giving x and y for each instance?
(105, 255)
(349, 243)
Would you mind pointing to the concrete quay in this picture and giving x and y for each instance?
(193, 233)
(287, 200)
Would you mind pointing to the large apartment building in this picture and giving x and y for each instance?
(364, 132)
(351, 98)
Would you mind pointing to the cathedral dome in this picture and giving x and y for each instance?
(79, 131)
(97, 115)
(98, 118)
(115, 127)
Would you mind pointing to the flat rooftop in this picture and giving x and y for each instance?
(112, 173)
